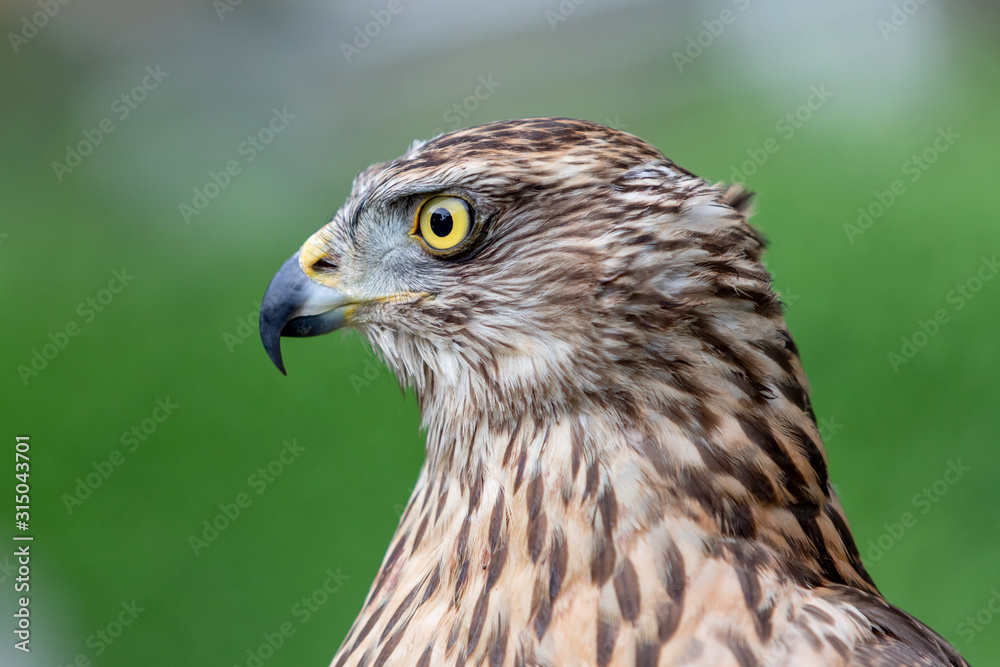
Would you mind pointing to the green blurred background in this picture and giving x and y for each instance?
(724, 88)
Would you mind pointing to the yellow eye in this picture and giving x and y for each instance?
(444, 222)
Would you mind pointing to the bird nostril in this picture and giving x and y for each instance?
(323, 264)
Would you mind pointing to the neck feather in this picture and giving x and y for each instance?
(735, 458)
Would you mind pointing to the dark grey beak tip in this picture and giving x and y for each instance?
(296, 306)
(278, 307)
(273, 350)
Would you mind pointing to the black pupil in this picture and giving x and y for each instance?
(441, 222)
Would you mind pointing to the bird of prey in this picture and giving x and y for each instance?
(623, 466)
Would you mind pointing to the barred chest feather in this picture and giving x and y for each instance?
(557, 551)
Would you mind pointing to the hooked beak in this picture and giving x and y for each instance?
(297, 306)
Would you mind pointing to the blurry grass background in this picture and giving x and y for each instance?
(183, 329)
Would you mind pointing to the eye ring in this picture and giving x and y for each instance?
(445, 224)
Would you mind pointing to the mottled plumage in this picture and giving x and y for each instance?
(623, 466)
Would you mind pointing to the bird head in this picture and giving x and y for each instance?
(529, 266)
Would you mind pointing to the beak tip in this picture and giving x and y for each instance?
(272, 345)
(280, 366)
(275, 311)
(296, 306)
